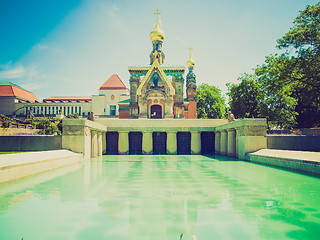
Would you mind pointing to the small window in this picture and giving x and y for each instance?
(112, 110)
(112, 97)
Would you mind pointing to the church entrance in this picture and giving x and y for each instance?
(156, 112)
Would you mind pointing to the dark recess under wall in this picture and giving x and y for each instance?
(159, 142)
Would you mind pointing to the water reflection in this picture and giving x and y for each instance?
(160, 197)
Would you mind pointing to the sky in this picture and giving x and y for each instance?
(71, 47)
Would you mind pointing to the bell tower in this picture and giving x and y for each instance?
(191, 87)
(157, 37)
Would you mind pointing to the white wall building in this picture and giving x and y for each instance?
(110, 93)
(15, 100)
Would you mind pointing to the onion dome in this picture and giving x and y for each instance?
(157, 33)
(190, 62)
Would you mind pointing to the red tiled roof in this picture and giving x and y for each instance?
(114, 82)
(66, 99)
(13, 91)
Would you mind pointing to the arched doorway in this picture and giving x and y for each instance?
(156, 112)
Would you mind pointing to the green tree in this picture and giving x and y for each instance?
(245, 97)
(289, 83)
(210, 102)
(302, 56)
(277, 103)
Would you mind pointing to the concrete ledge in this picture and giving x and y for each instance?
(84, 123)
(19, 165)
(242, 123)
(299, 161)
(161, 125)
(18, 131)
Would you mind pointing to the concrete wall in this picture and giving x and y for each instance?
(30, 143)
(303, 131)
(236, 139)
(291, 142)
(84, 136)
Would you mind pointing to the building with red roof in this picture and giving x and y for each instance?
(9, 89)
(67, 99)
(14, 100)
(111, 92)
(114, 82)
(11, 94)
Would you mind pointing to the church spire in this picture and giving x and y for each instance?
(190, 62)
(191, 84)
(157, 37)
(157, 33)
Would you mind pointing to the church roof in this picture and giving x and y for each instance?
(114, 82)
(9, 89)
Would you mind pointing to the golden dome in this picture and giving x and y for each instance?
(190, 62)
(157, 33)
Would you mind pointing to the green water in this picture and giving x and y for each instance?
(160, 197)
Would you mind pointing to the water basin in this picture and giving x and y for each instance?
(160, 197)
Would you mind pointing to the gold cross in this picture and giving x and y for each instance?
(157, 12)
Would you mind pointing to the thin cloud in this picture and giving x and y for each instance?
(41, 47)
(32, 86)
(5, 66)
(183, 41)
(115, 7)
(45, 47)
(12, 73)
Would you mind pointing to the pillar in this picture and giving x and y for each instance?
(172, 142)
(104, 143)
(94, 143)
(223, 142)
(195, 142)
(217, 139)
(231, 143)
(99, 139)
(77, 138)
(123, 144)
(147, 143)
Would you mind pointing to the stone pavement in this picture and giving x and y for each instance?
(288, 154)
(18, 165)
(299, 161)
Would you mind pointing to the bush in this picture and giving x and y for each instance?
(74, 115)
(48, 126)
(5, 123)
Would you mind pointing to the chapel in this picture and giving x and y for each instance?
(157, 89)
